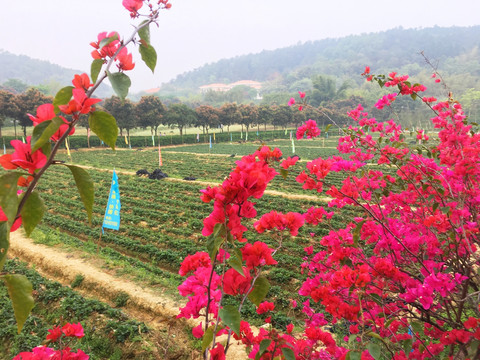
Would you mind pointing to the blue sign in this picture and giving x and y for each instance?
(112, 213)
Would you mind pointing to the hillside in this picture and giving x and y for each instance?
(454, 50)
(35, 72)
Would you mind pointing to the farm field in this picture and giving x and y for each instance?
(162, 220)
(203, 163)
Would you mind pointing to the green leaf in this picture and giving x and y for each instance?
(264, 344)
(327, 127)
(374, 335)
(356, 233)
(144, 32)
(288, 353)
(104, 126)
(474, 346)
(236, 263)
(8, 195)
(377, 298)
(85, 188)
(149, 56)
(62, 97)
(207, 338)
(417, 327)
(230, 317)
(216, 240)
(95, 69)
(47, 149)
(4, 242)
(354, 355)
(259, 291)
(284, 173)
(107, 41)
(20, 291)
(407, 345)
(32, 212)
(120, 83)
(374, 350)
(413, 96)
(44, 131)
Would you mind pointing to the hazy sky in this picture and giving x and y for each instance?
(195, 32)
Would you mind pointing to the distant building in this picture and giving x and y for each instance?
(214, 87)
(225, 87)
(152, 91)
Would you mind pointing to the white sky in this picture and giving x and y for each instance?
(195, 32)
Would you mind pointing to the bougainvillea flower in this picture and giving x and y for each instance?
(23, 157)
(109, 49)
(258, 254)
(236, 284)
(193, 262)
(197, 331)
(301, 94)
(73, 330)
(290, 161)
(125, 62)
(385, 100)
(132, 5)
(218, 352)
(46, 112)
(16, 224)
(82, 82)
(265, 307)
(291, 101)
(80, 103)
(309, 129)
(55, 333)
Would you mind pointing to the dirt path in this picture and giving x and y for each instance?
(158, 312)
(212, 183)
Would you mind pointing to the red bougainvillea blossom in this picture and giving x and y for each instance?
(23, 157)
(107, 50)
(16, 224)
(46, 112)
(276, 220)
(309, 129)
(132, 5)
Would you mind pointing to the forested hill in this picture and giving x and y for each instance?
(397, 49)
(33, 72)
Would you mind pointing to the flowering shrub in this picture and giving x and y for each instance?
(402, 274)
(57, 335)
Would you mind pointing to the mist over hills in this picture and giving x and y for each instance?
(454, 50)
(34, 72)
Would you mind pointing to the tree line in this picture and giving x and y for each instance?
(150, 113)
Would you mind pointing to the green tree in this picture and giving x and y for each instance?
(325, 90)
(15, 85)
(265, 115)
(229, 115)
(283, 116)
(207, 117)
(249, 115)
(27, 103)
(8, 107)
(180, 116)
(123, 112)
(150, 112)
